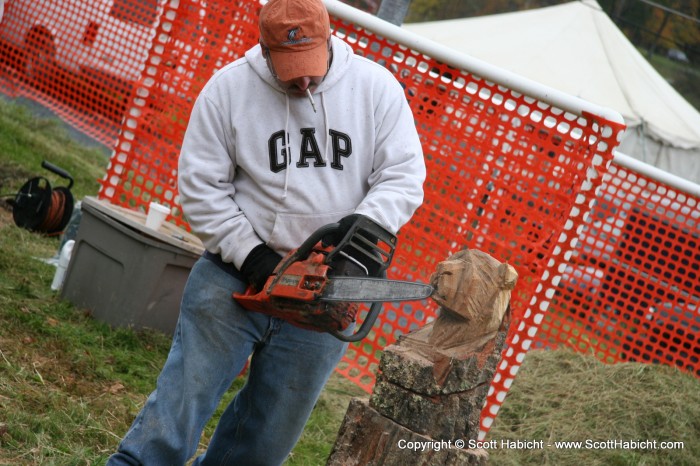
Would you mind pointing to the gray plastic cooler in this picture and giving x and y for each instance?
(125, 274)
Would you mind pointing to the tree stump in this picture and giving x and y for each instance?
(432, 383)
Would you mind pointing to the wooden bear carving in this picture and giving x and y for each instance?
(473, 291)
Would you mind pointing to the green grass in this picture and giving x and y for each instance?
(25, 141)
(565, 396)
(683, 77)
(70, 386)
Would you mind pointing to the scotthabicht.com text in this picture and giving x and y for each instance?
(509, 444)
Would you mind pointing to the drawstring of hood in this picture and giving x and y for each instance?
(287, 146)
(287, 149)
(324, 156)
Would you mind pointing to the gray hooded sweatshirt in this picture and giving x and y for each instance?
(240, 185)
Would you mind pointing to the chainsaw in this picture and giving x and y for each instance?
(320, 287)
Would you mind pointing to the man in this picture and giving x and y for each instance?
(297, 134)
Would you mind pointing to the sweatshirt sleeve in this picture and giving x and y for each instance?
(396, 182)
(206, 169)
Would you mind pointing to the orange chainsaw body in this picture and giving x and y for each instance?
(293, 294)
(294, 290)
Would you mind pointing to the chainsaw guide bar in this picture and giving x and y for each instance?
(359, 289)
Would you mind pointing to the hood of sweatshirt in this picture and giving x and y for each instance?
(342, 55)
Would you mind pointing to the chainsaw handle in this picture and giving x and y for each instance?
(368, 248)
(303, 251)
(366, 326)
(369, 243)
(307, 246)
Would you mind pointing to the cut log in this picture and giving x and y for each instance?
(420, 367)
(367, 438)
(433, 382)
(445, 417)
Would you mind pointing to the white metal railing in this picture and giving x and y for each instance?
(475, 66)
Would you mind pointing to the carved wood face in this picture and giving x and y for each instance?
(473, 291)
(469, 282)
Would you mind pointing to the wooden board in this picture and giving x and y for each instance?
(167, 233)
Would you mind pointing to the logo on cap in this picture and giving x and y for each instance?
(292, 38)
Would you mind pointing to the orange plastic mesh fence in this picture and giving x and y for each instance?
(507, 174)
(188, 46)
(631, 291)
(78, 58)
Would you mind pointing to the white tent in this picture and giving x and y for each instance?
(576, 48)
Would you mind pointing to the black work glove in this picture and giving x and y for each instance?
(259, 265)
(361, 263)
(332, 239)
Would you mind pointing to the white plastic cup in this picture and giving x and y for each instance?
(156, 215)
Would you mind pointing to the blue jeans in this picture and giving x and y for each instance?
(212, 343)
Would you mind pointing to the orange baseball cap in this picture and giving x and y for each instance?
(296, 32)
